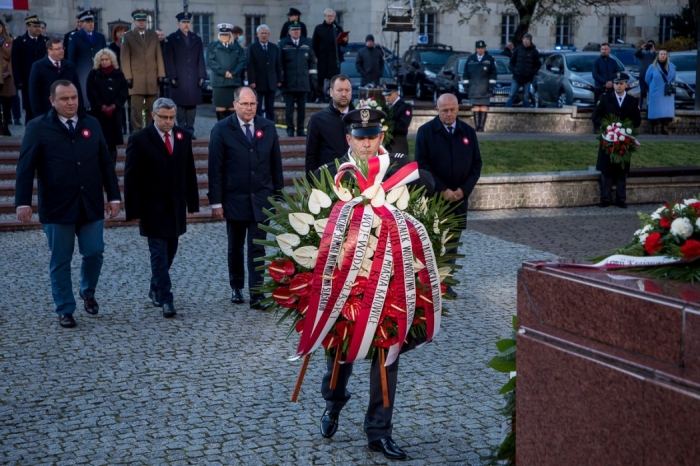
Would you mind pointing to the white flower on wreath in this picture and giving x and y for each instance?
(287, 241)
(400, 196)
(690, 201)
(436, 225)
(643, 233)
(317, 200)
(306, 256)
(320, 225)
(301, 222)
(343, 193)
(443, 241)
(609, 128)
(622, 138)
(445, 272)
(371, 245)
(682, 228)
(697, 224)
(656, 215)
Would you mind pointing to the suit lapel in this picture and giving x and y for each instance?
(158, 142)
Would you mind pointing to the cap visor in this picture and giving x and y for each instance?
(372, 131)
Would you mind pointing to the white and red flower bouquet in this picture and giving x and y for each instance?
(360, 264)
(618, 139)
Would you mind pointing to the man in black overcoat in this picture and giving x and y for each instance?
(325, 139)
(264, 71)
(624, 107)
(66, 150)
(47, 71)
(401, 114)
(82, 47)
(26, 50)
(245, 170)
(448, 148)
(327, 49)
(160, 188)
(183, 54)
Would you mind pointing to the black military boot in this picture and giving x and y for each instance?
(482, 124)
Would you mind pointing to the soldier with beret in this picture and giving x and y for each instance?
(365, 137)
(401, 114)
(26, 50)
(183, 53)
(298, 65)
(481, 72)
(226, 59)
(143, 67)
(82, 47)
(293, 16)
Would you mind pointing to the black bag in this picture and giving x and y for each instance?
(669, 89)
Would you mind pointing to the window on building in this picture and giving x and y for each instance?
(427, 26)
(201, 25)
(509, 24)
(251, 24)
(563, 33)
(616, 30)
(339, 18)
(665, 30)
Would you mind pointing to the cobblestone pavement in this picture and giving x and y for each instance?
(212, 386)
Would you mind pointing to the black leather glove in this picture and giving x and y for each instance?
(314, 81)
(200, 83)
(129, 83)
(161, 81)
(173, 82)
(18, 86)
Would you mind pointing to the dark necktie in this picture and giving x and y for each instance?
(450, 129)
(71, 128)
(248, 134)
(58, 65)
(167, 143)
(265, 47)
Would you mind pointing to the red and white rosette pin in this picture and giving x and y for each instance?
(179, 136)
(259, 134)
(465, 141)
(85, 133)
(408, 112)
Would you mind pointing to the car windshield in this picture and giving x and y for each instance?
(626, 57)
(584, 63)
(438, 57)
(348, 69)
(503, 66)
(685, 62)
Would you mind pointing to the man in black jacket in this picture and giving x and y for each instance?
(401, 114)
(326, 139)
(327, 50)
(370, 62)
(298, 64)
(26, 50)
(604, 70)
(646, 55)
(525, 64)
(264, 71)
(47, 71)
(66, 150)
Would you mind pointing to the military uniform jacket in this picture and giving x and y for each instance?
(81, 51)
(243, 176)
(44, 73)
(73, 172)
(401, 114)
(285, 29)
(25, 51)
(298, 62)
(264, 67)
(142, 61)
(608, 105)
(222, 59)
(184, 61)
(479, 73)
(325, 139)
(454, 161)
(159, 188)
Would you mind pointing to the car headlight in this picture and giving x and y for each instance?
(581, 85)
(429, 74)
(634, 84)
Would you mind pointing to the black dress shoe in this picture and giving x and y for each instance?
(621, 204)
(290, 134)
(450, 292)
(237, 296)
(388, 447)
(90, 305)
(256, 302)
(329, 424)
(168, 310)
(154, 298)
(66, 321)
(605, 204)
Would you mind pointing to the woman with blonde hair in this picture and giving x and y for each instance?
(226, 58)
(8, 84)
(107, 92)
(662, 93)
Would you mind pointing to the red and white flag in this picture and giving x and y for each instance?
(14, 4)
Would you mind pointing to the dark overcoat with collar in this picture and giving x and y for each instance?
(401, 114)
(607, 105)
(25, 52)
(108, 89)
(243, 176)
(81, 52)
(73, 172)
(159, 188)
(184, 61)
(44, 73)
(325, 137)
(454, 161)
(264, 68)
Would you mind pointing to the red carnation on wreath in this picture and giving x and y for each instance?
(691, 249)
(653, 244)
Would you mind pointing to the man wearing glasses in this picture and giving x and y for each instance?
(160, 187)
(448, 148)
(245, 170)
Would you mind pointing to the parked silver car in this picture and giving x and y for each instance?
(686, 70)
(567, 79)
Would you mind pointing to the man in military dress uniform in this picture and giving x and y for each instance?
(143, 67)
(183, 54)
(66, 36)
(26, 50)
(82, 47)
(401, 114)
(364, 136)
(298, 65)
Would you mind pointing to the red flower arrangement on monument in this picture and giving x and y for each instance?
(618, 139)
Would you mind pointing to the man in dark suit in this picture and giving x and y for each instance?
(327, 49)
(448, 148)
(160, 187)
(245, 170)
(326, 140)
(66, 150)
(401, 114)
(82, 47)
(26, 50)
(47, 71)
(183, 54)
(298, 66)
(624, 107)
(264, 71)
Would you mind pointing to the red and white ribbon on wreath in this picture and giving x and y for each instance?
(401, 236)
